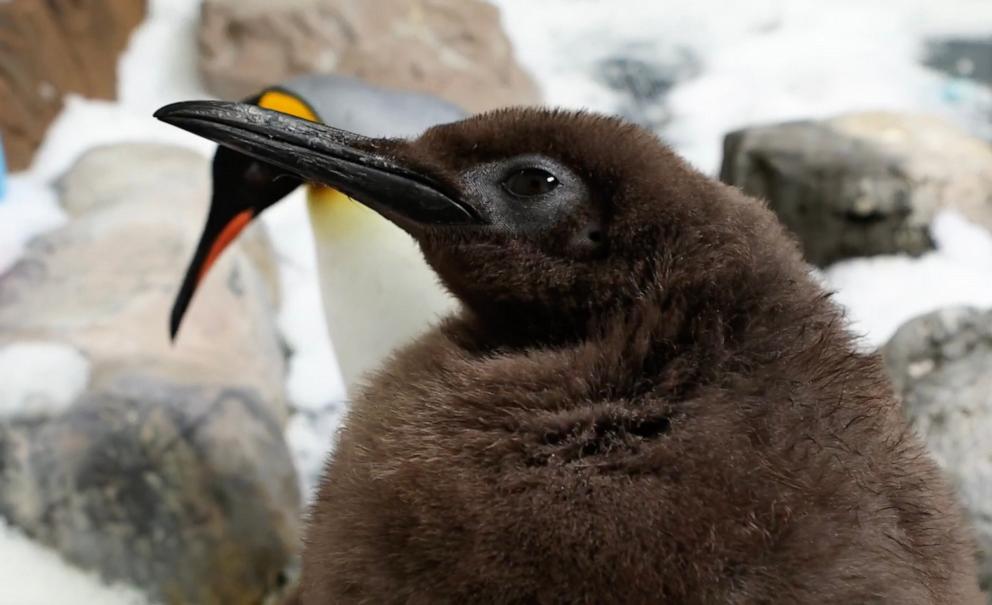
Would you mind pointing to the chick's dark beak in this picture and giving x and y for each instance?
(360, 167)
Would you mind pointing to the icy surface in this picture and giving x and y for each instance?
(40, 378)
(31, 574)
(29, 208)
(883, 292)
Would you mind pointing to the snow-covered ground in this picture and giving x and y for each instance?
(33, 575)
(760, 61)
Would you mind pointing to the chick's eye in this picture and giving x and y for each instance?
(530, 182)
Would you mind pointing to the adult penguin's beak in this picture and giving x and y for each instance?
(368, 170)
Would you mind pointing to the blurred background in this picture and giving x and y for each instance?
(133, 470)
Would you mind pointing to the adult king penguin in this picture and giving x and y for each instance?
(376, 289)
(645, 399)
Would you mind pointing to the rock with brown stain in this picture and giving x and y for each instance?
(51, 48)
(455, 49)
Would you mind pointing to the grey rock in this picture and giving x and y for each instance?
(940, 365)
(136, 172)
(122, 173)
(160, 465)
(185, 491)
(643, 75)
(454, 49)
(862, 184)
(962, 57)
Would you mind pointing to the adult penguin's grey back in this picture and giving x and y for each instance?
(373, 111)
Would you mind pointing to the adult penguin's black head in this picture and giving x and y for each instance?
(540, 221)
(243, 187)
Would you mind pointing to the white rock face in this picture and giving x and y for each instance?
(40, 378)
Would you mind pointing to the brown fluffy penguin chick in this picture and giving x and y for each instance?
(647, 398)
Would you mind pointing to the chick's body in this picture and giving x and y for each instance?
(465, 476)
(713, 436)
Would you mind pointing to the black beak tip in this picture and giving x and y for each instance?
(179, 308)
(174, 322)
(169, 112)
(185, 114)
(180, 109)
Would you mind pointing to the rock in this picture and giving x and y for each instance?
(185, 491)
(109, 174)
(962, 58)
(119, 173)
(158, 465)
(455, 49)
(642, 75)
(53, 48)
(939, 364)
(862, 184)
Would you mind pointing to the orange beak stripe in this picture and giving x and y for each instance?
(227, 235)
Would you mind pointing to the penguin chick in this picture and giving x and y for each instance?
(646, 398)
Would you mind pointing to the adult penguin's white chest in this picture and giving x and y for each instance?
(378, 293)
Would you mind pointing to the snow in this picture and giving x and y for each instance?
(760, 61)
(29, 208)
(883, 292)
(310, 435)
(31, 574)
(26, 372)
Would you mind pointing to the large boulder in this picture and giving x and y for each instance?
(862, 184)
(455, 49)
(186, 492)
(105, 175)
(156, 464)
(940, 365)
(969, 58)
(48, 49)
(641, 76)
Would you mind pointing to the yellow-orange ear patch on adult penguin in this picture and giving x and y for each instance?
(288, 103)
(647, 398)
